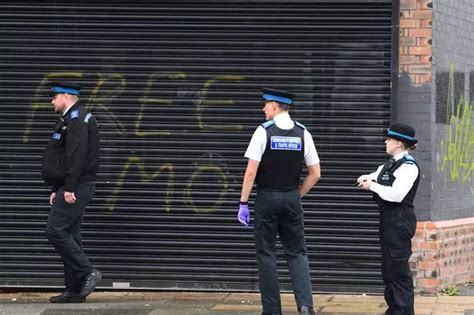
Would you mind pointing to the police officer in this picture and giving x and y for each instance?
(277, 151)
(394, 186)
(70, 164)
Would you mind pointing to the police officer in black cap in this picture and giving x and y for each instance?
(277, 151)
(394, 186)
(70, 164)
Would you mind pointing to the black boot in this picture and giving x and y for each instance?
(91, 281)
(67, 297)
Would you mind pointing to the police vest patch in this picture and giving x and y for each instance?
(285, 143)
(56, 136)
(74, 114)
(385, 176)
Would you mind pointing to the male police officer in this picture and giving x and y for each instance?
(70, 164)
(276, 154)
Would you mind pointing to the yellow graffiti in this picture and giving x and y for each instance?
(457, 149)
(208, 102)
(146, 100)
(111, 86)
(102, 101)
(145, 176)
(189, 187)
(37, 104)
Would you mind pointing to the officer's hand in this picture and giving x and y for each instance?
(52, 198)
(365, 184)
(244, 213)
(362, 178)
(69, 197)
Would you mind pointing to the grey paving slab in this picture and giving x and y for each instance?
(202, 303)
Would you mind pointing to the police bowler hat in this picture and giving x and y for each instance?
(402, 132)
(58, 87)
(279, 96)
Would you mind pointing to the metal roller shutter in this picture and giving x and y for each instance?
(175, 87)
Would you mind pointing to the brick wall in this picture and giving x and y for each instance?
(415, 40)
(443, 254)
(415, 90)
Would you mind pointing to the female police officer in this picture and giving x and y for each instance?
(276, 155)
(394, 187)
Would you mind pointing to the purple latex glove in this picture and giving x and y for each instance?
(244, 213)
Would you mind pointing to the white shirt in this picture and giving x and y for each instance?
(258, 143)
(405, 176)
(67, 109)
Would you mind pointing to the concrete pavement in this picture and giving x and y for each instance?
(211, 303)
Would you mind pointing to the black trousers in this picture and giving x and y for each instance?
(64, 232)
(282, 213)
(397, 227)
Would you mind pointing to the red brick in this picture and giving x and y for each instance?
(407, 4)
(420, 32)
(421, 14)
(428, 283)
(424, 42)
(425, 23)
(426, 245)
(408, 60)
(408, 23)
(428, 225)
(420, 68)
(432, 265)
(419, 51)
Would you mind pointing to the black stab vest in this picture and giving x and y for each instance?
(282, 161)
(386, 178)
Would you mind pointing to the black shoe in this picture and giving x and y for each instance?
(67, 297)
(92, 279)
(306, 310)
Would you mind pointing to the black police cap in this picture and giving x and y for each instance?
(402, 132)
(65, 87)
(279, 96)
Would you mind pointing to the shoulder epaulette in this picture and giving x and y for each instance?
(300, 125)
(409, 159)
(268, 124)
(74, 114)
